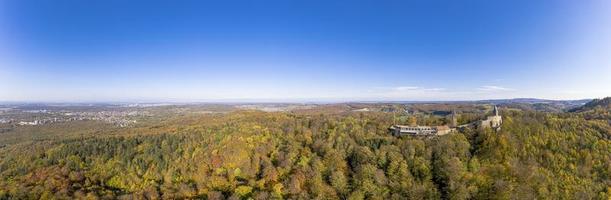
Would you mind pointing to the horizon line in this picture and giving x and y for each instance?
(263, 101)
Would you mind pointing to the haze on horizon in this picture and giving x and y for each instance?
(303, 50)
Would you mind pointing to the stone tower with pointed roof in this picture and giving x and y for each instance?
(454, 119)
(496, 111)
(493, 121)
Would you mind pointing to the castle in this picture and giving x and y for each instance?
(493, 122)
(399, 130)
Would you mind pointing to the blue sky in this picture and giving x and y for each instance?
(108, 50)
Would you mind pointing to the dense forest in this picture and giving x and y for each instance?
(284, 155)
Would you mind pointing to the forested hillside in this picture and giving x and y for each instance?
(599, 109)
(599, 104)
(259, 155)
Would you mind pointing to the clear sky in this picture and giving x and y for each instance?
(107, 50)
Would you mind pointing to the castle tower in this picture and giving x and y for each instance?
(496, 111)
(454, 120)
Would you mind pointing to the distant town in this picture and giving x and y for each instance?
(27, 115)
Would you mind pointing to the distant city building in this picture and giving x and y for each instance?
(33, 123)
(362, 110)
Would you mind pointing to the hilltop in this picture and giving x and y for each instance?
(604, 103)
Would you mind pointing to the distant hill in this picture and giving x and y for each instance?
(537, 101)
(529, 104)
(544, 105)
(604, 103)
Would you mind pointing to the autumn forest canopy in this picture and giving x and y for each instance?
(305, 99)
(335, 151)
